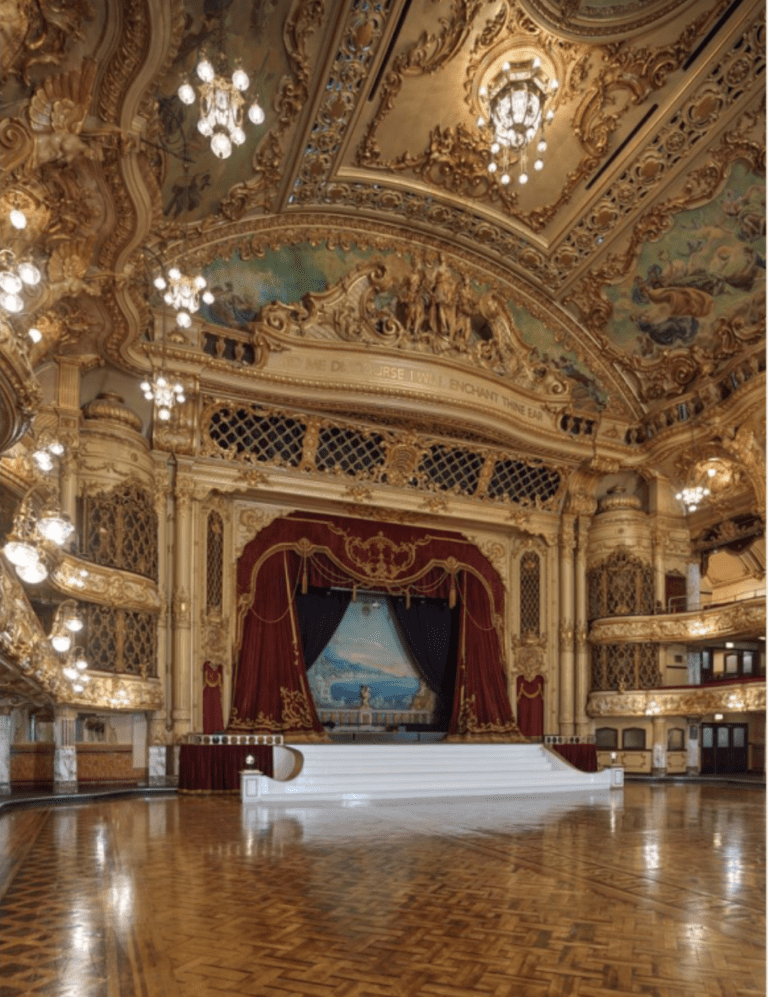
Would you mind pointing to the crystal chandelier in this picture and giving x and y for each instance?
(513, 114)
(183, 294)
(221, 105)
(164, 393)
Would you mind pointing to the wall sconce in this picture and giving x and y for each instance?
(65, 623)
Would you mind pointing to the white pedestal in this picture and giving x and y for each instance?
(6, 730)
(65, 770)
(156, 764)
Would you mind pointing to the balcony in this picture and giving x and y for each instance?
(740, 696)
(745, 617)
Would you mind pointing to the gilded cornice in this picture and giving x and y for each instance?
(106, 586)
(691, 701)
(747, 617)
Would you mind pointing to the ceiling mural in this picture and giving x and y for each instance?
(708, 268)
(630, 268)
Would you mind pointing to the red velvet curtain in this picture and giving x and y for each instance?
(530, 706)
(271, 694)
(213, 719)
(481, 708)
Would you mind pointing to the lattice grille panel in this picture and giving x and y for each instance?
(451, 469)
(119, 640)
(621, 666)
(121, 530)
(140, 643)
(523, 482)
(530, 588)
(622, 585)
(100, 643)
(349, 451)
(244, 432)
(214, 562)
(618, 667)
(648, 671)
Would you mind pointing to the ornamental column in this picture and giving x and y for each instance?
(566, 631)
(181, 615)
(583, 676)
(64, 752)
(68, 431)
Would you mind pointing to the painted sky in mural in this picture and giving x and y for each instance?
(710, 266)
(242, 287)
(365, 650)
(588, 394)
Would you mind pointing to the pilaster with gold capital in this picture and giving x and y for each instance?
(181, 600)
(582, 683)
(566, 626)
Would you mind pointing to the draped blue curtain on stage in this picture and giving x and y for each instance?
(320, 611)
(431, 631)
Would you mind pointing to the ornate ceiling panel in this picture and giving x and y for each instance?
(632, 266)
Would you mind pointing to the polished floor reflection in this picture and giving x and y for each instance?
(658, 890)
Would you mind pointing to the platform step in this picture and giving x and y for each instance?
(345, 772)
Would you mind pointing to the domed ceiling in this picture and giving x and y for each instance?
(627, 273)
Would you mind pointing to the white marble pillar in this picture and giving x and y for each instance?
(659, 750)
(6, 736)
(156, 764)
(693, 746)
(65, 753)
(693, 586)
(583, 725)
(566, 629)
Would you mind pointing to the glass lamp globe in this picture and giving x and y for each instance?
(35, 335)
(238, 136)
(12, 303)
(205, 70)
(32, 573)
(221, 146)
(186, 93)
(255, 114)
(164, 414)
(204, 127)
(10, 283)
(80, 661)
(55, 526)
(20, 554)
(70, 673)
(61, 642)
(240, 80)
(18, 219)
(29, 273)
(74, 623)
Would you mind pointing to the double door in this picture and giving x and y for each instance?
(723, 748)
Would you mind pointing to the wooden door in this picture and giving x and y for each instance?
(723, 748)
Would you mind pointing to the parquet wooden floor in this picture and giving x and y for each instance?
(658, 891)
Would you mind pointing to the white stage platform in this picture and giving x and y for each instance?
(348, 772)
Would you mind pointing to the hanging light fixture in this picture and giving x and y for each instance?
(183, 294)
(164, 392)
(514, 115)
(222, 99)
(701, 470)
(15, 277)
(32, 541)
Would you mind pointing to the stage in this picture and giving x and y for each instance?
(348, 773)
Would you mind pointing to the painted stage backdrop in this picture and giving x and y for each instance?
(367, 649)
